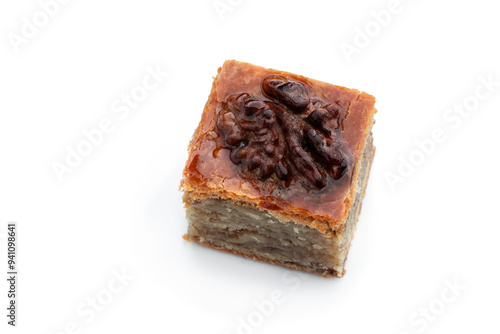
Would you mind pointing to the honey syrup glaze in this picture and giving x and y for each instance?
(277, 139)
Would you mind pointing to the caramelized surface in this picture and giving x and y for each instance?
(211, 169)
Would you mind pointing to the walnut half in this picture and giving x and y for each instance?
(284, 132)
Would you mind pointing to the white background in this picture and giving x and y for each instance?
(120, 208)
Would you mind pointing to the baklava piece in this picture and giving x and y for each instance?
(278, 167)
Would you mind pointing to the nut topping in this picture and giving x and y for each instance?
(284, 133)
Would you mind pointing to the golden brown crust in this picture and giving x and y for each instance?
(209, 171)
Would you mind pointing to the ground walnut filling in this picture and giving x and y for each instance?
(254, 232)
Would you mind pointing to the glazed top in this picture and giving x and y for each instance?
(281, 141)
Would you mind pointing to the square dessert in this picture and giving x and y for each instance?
(278, 167)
